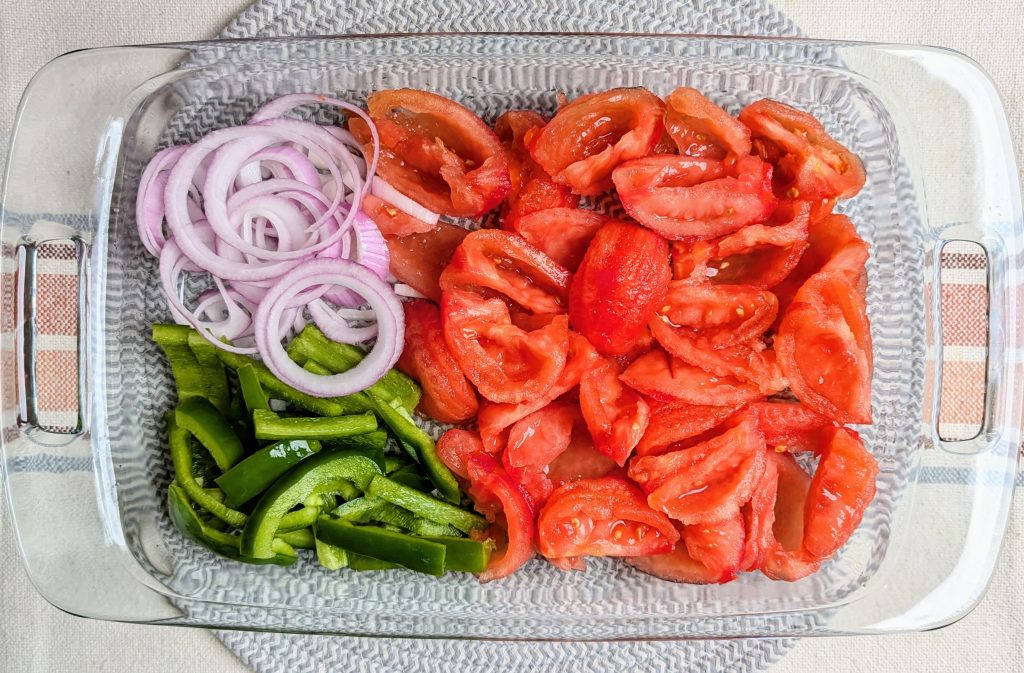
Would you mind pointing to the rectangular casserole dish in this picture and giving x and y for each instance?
(87, 493)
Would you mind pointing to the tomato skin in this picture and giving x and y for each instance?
(455, 447)
(810, 164)
(506, 263)
(618, 286)
(516, 516)
(418, 259)
(784, 558)
(616, 416)
(718, 545)
(436, 151)
(664, 378)
(447, 395)
(602, 517)
(842, 487)
(707, 482)
(824, 348)
(563, 234)
(390, 220)
(495, 418)
(702, 129)
(504, 362)
(678, 197)
(589, 137)
(672, 422)
(718, 316)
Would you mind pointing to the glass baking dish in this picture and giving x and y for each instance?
(94, 531)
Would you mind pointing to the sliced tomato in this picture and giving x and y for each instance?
(682, 199)
(619, 286)
(824, 348)
(717, 545)
(504, 362)
(593, 134)
(455, 447)
(790, 426)
(784, 558)
(718, 316)
(436, 151)
(562, 233)
(580, 460)
(505, 263)
(675, 566)
(602, 517)
(752, 362)
(759, 517)
(707, 482)
(514, 522)
(673, 422)
(616, 416)
(534, 442)
(418, 259)
(763, 254)
(447, 395)
(495, 418)
(532, 189)
(659, 375)
(841, 489)
(810, 164)
(702, 129)
(390, 220)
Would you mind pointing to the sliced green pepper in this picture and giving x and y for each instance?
(187, 520)
(393, 463)
(214, 378)
(361, 563)
(329, 556)
(201, 418)
(424, 505)
(408, 551)
(188, 375)
(463, 554)
(413, 478)
(269, 425)
(357, 509)
(256, 473)
(301, 538)
(180, 443)
(295, 486)
(252, 391)
(370, 441)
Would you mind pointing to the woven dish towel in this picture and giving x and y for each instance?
(275, 653)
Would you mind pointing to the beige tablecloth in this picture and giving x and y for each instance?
(36, 637)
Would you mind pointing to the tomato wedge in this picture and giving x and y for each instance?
(717, 545)
(455, 447)
(602, 517)
(390, 220)
(593, 134)
(504, 362)
(707, 482)
(501, 261)
(790, 426)
(702, 129)
(759, 517)
(659, 375)
(618, 286)
(563, 234)
(436, 151)
(685, 198)
(810, 164)
(418, 259)
(841, 489)
(534, 443)
(514, 522)
(447, 395)
(675, 566)
(824, 348)
(494, 418)
(531, 189)
(784, 558)
(673, 422)
(616, 416)
(718, 316)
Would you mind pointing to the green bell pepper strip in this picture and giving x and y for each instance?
(408, 551)
(329, 556)
(413, 437)
(413, 478)
(294, 487)
(187, 520)
(311, 344)
(300, 539)
(303, 517)
(370, 441)
(252, 391)
(181, 457)
(361, 563)
(257, 472)
(274, 387)
(424, 505)
(393, 463)
(269, 425)
(357, 509)
(212, 370)
(188, 375)
(205, 423)
(463, 554)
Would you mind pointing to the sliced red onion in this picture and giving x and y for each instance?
(385, 192)
(149, 206)
(366, 246)
(403, 290)
(376, 293)
(335, 326)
